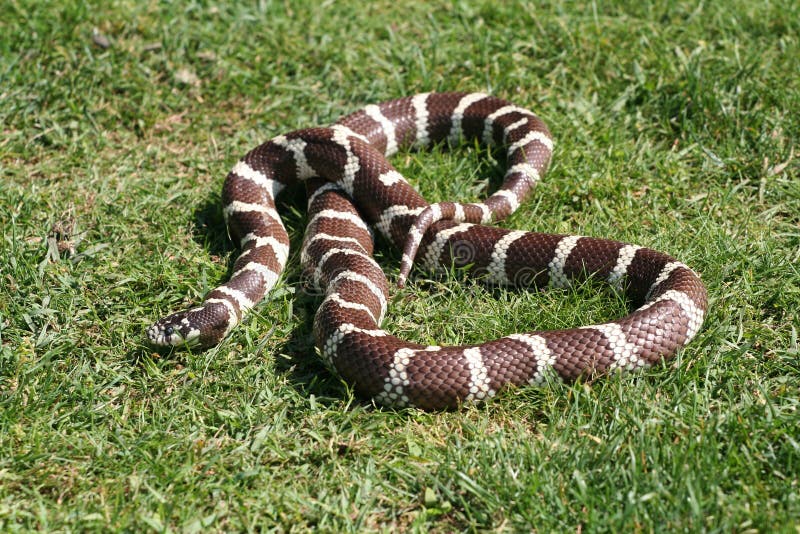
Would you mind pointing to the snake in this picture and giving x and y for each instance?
(353, 191)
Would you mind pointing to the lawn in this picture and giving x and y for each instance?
(676, 127)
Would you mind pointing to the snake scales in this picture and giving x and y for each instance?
(350, 181)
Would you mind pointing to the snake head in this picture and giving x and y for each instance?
(201, 327)
(173, 331)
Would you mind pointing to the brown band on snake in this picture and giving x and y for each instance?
(353, 187)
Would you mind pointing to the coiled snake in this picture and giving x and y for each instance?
(350, 181)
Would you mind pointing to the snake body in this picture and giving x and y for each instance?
(352, 188)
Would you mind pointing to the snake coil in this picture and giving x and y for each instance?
(350, 181)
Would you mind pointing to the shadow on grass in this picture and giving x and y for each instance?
(303, 367)
(209, 228)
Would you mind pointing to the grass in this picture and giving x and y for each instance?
(676, 126)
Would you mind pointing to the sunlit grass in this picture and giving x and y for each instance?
(676, 127)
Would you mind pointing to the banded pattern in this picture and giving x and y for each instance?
(353, 188)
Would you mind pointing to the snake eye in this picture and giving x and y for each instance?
(169, 330)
